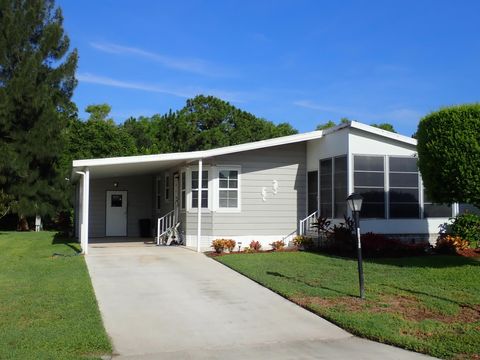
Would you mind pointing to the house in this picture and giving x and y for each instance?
(266, 190)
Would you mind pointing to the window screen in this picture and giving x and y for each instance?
(369, 181)
(404, 191)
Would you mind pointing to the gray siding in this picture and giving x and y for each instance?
(279, 214)
(139, 203)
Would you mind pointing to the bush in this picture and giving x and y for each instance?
(278, 245)
(255, 245)
(448, 244)
(304, 242)
(220, 245)
(467, 227)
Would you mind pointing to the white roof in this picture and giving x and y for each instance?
(143, 163)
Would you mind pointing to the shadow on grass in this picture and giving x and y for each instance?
(419, 261)
(60, 239)
(315, 286)
(416, 292)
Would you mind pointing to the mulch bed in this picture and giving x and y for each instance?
(469, 252)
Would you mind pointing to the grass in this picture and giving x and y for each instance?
(428, 304)
(47, 306)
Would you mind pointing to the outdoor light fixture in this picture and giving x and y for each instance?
(355, 204)
(115, 184)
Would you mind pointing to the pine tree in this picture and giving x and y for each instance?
(36, 85)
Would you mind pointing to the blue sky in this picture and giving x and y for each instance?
(303, 62)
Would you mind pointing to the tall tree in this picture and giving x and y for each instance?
(36, 85)
(329, 124)
(449, 154)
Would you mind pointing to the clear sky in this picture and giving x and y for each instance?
(302, 62)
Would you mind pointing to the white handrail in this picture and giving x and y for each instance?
(306, 223)
(165, 223)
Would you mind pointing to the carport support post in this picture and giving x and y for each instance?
(199, 205)
(85, 197)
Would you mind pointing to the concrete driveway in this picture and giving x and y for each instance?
(172, 303)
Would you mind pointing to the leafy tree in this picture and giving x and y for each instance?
(385, 126)
(329, 124)
(99, 112)
(36, 85)
(449, 154)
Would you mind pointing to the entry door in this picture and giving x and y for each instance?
(116, 217)
(176, 198)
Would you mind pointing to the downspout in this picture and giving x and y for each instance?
(199, 205)
(84, 225)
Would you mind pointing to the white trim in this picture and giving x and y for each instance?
(85, 187)
(194, 155)
(199, 204)
(216, 189)
(183, 191)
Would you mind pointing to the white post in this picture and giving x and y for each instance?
(199, 207)
(85, 200)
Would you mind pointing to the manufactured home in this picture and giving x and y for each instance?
(267, 190)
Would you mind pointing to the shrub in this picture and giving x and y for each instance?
(302, 241)
(450, 244)
(221, 245)
(322, 224)
(278, 245)
(218, 245)
(248, 249)
(466, 226)
(378, 244)
(255, 245)
(230, 244)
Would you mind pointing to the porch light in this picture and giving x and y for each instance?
(115, 184)
(355, 204)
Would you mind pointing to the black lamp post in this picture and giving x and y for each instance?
(355, 204)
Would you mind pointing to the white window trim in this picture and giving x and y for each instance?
(158, 192)
(167, 187)
(216, 189)
(189, 188)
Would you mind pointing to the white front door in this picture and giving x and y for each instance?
(116, 216)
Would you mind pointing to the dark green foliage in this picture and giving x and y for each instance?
(467, 226)
(204, 123)
(329, 124)
(449, 154)
(385, 126)
(36, 84)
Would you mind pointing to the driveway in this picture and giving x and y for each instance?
(172, 303)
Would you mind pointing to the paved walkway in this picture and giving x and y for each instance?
(172, 303)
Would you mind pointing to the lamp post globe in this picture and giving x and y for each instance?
(355, 202)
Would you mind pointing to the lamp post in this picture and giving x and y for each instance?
(355, 204)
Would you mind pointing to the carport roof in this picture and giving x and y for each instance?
(144, 164)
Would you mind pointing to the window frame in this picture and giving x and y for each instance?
(189, 191)
(389, 192)
(333, 181)
(217, 189)
(183, 190)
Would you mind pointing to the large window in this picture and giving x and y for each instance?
(333, 187)
(326, 188)
(195, 188)
(369, 181)
(312, 190)
(431, 209)
(403, 193)
(228, 189)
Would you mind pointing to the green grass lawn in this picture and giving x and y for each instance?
(47, 306)
(426, 304)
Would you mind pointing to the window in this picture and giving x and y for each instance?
(333, 187)
(167, 187)
(182, 189)
(326, 188)
(228, 189)
(312, 191)
(204, 187)
(404, 190)
(431, 209)
(158, 187)
(116, 200)
(368, 180)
